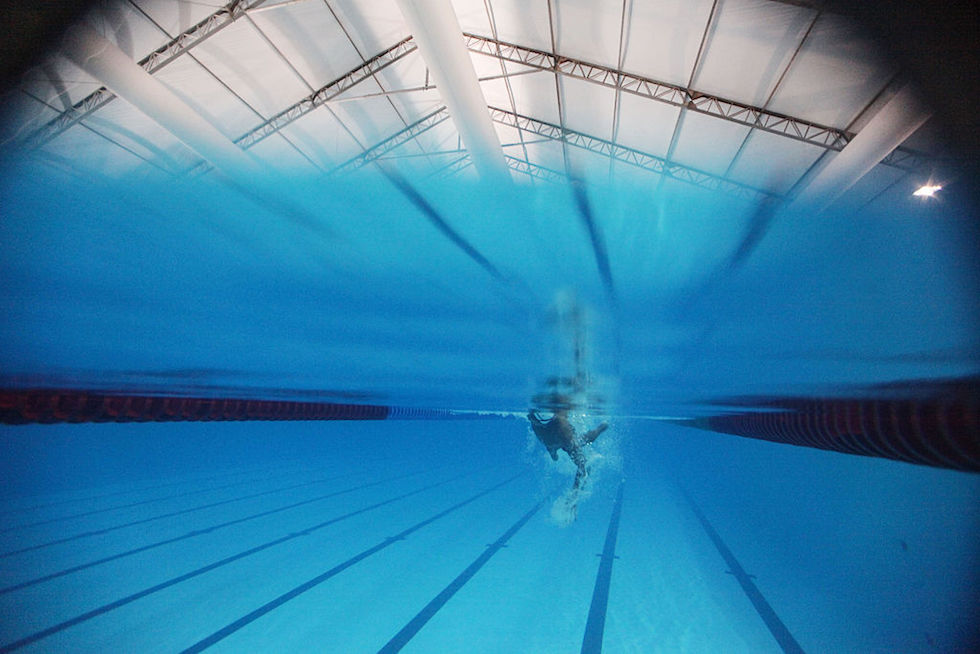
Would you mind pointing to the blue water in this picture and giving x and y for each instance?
(451, 535)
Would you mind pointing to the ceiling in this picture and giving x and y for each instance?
(752, 97)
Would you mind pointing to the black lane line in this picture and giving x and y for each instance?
(131, 491)
(595, 624)
(415, 624)
(61, 626)
(319, 579)
(186, 482)
(766, 612)
(124, 506)
(198, 532)
(141, 521)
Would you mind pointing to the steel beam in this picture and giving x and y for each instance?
(318, 98)
(421, 125)
(535, 171)
(737, 112)
(630, 156)
(179, 45)
(323, 95)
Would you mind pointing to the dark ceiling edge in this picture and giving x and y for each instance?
(936, 45)
(30, 28)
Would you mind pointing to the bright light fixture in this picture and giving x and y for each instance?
(927, 191)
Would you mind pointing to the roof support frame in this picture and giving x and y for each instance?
(400, 137)
(693, 100)
(630, 156)
(702, 48)
(625, 17)
(220, 81)
(176, 47)
(321, 97)
(535, 171)
(772, 92)
(108, 138)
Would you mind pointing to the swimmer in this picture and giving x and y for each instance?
(558, 434)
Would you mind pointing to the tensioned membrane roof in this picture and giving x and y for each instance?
(752, 96)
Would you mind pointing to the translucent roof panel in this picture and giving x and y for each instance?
(834, 77)
(707, 143)
(770, 161)
(588, 107)
(646, 125)
(209, 96)
(311, 39)
(751, 43)
(590, 32)
(523, 23)
(251, 68)
(664, 38)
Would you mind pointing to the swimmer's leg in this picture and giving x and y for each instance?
(592, 435)
(579, 459)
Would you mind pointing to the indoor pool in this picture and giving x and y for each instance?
(450, 326)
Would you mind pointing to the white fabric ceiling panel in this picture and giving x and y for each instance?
(749, 47)
(708, 143)
(588, 107)
(22, 115)
(487, 66)
(59, 83)
(374, 26)
(771, 161)
(645, 124)
(409, 73)
(407, 149)
(413, 106)
(371, 120)
(513, 148)
(208, 97)
(275, 153)
(368, 86)
(547, 154)
(251, 68)
(472, 15)
(406, 73)
(508, 135)
(311, 39)
(664, 37)
(589, 30)
(835, 76)
(592, 165)
(92, 153)
(127, 126)
(522, 22)
(440, 137)
(495, 92)
(535, 95)
(322, 139)
(177, 16)
(127, 27)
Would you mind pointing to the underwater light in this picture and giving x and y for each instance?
(927, 191)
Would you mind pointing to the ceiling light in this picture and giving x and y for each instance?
(927, 191)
